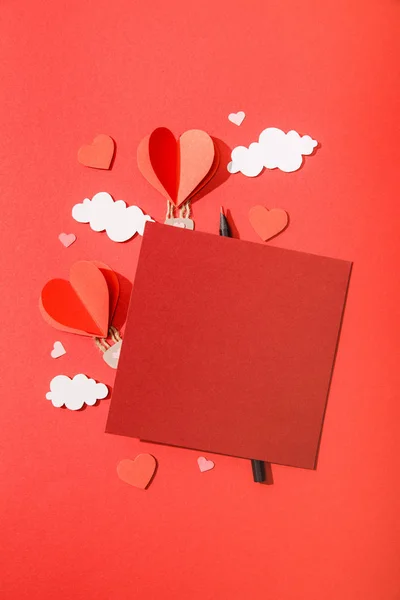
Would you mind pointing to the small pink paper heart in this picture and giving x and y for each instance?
(67, 239)
(237, 118)
(204, 464)
(58, 350)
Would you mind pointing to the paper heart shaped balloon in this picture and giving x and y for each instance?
(177, 169)
(86, 303)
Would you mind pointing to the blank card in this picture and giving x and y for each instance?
(229, 346)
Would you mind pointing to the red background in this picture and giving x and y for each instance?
(69, 70)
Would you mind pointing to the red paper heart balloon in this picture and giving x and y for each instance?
(81, 305)
(177, 168)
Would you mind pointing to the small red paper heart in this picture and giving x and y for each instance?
(138, 472)
(268, 223)
(81, 305)
(98, 154)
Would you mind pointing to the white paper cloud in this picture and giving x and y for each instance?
(74, 393)
(120, 222)
(275, 149)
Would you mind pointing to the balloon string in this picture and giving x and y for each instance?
(184, 211)
(114, 333)
(102, 343)
(170, 210)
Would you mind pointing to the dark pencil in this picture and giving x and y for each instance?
(257, 466)
(224, 228)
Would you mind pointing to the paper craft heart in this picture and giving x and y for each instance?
(112, 283)
(85, 304)
(177, 168)
(237, 118)
(138, 472)
(204, 464)
(268, 223)
(67, 239)
(58, 350)
(98, 154)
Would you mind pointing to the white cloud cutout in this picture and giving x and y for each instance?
(119, 221)
(74, 393)
(275, 149)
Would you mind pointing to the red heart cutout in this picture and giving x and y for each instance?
(81, 305)
(113, 286)
(163, 156)
(138, 472)
(98, 154)
(196, 156)
(210, 174)
(268, 223)
(146, 169)
(177, 168)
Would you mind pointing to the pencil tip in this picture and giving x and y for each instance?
(222, 211)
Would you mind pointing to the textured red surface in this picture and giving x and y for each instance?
(249, 374)
(69, 528)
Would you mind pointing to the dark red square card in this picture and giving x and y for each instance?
(229, 346)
